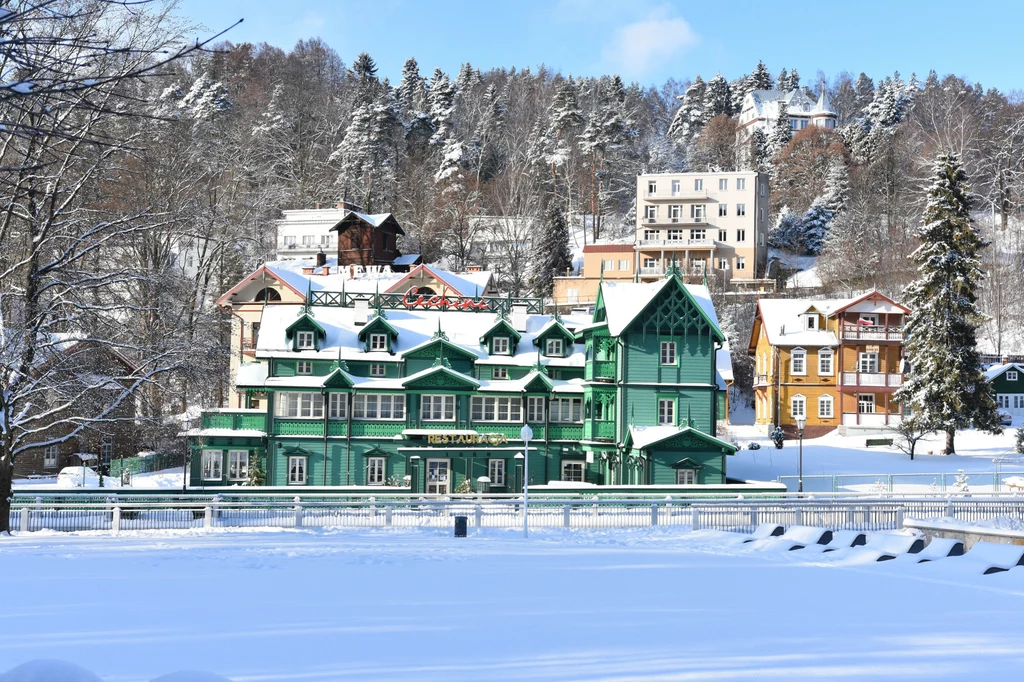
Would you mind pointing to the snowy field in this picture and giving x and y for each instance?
(653, 604)
(835, 454)
(168, 478)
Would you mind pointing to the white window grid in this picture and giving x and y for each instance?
(496, 409)
(500, 345)
(499, 373)
(798, 407)
(378, 342)
(496, 472)
(238, 465)
(553, 348)
(213, 460)
(378, 406)
(437, 408)
(573, 470)
(566, 410)
(666, 411)
(304, 367)
(375, 470)
(825, 363)
(300, 405)
(686, 476)
(297, 470)
(378, 370)
(798, 362)
(304, 340)
(668, 352)
(50, 456)
(826, 407)
(337, 406)
(535, 409)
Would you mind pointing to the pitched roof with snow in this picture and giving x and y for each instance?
(995, 370)
(623, 301)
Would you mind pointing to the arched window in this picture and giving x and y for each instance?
(826, 408)
(426, 291)
(798, 407)
(267, 294)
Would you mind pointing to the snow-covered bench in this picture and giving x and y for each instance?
(807, 535)
(885, 547)
(938, 548)
(844, 539)
(765, 530)
(994, 557)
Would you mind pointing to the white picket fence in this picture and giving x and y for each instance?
(733, 515)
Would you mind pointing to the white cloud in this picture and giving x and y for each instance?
(638, 46)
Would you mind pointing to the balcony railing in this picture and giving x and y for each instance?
(875, 379)
(668, 220)
(679, 243)
(760, 379)
(602, 430)
(604, 370)
(696, 194)
(859, 332)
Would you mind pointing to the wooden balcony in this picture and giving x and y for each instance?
(863, 332)
(876, 381)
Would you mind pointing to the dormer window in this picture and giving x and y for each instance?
(811, 322)
(304, 340)
(500, 345)
(1011, 375)
(553, 348)
(378, 342)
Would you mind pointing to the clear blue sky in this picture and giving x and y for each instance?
(649, 41)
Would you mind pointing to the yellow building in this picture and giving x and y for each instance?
(834, 362)
(615, 262)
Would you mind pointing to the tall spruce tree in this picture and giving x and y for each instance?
(946, 387)
(551, 254)
(761, 79)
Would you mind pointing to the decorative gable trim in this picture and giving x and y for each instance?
(377, 325)
(441, 377)
(338, 379)
(431, 348)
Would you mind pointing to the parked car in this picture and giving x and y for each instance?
(78, 477)
(1005, 418)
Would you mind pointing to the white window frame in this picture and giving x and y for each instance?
(554, 348)
(826, 356)
(378, 369)
(798, 407)
(651, 213)
(535, 409)
(652, 188)
(51, 456)
(305, 340)
(723, 184)
(371, 406)
(298, 469)
(723, 235)
(623, 265)
(826, 407)
(723, 210)
(238, 465)
(741, 236)
(303, 367)
(698, 212)
(577, 469)
(437, 408)
(650, 263)
(795, 369)
(496, 472)
(376, 470)
(741, 210)
(378, 342)
(650, 235)
(741, 263)
(499, 373)
(213, 465)
(566, 410)
(699, 234)
(299, 405)
(666, 411)
(668, 354)
(507, 409)
(698, 184)
(811, 322)
(741, 183)
(337, 406)
(1011, 375)
(501, 345)
(677, 187)
(863, 400)
(867, 363)
(686, 477)
(608, 264)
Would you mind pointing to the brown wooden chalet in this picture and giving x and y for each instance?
(368, 239)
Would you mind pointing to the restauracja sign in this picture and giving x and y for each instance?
(414, 299)
(467, 439)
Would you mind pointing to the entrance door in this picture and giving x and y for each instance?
(437, 476)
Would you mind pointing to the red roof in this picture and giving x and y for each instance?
(608, 248)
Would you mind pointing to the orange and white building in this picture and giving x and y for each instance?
(834, 362)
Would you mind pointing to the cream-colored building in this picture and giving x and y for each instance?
(702, 222)
(610, 262)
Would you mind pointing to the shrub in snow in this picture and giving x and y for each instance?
(256, 474)
(754, 446)
(1018, 446)
(465, 487)
(962, 482)
(778, 436)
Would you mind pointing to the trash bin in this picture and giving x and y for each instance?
(460, 526)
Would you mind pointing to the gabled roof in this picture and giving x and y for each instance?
(262, 271)
(377, 322)
(504, 324)
(464, 284)
(643, 437)
(533, 378)
(423, 378)
(305, 319)
(374, 220)
(338, 379)
(553, 325)
(447, 347)
(997, 370)
(624, 302)
(780, 318)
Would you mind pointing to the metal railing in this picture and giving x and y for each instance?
(872, 333)
(960, 482)
(879, 379)
(744, 515)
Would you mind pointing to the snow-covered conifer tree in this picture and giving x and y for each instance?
(946, 387)
(817, 221)
(782, 82)
(761, 79)
(412, 90)
(442, 105)
(689, 118)
(551, 254)
(717, 99)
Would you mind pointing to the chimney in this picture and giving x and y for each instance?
(308, 270)
(325, 270)
(1004, 360)
(474, 268)
(361, 312)
(321, 258)
(519, 317)
(317, 205)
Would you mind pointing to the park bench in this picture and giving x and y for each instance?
(938, 548)
(844, 539)
(765, 530)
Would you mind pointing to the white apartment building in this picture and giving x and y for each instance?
(702, 221)
(761, 108)
(301, 233)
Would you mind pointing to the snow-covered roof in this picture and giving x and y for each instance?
(415, 328)
(226, 433)
(995, 370)
(623, 301)
(723, 367)
(251, 374)
(784, 327)
(645, 436)
(768, 103)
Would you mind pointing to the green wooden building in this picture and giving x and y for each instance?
(430, 395)
(1007, 381)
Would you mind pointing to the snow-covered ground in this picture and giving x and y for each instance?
(168, 478)
(651, 604)
(835, 454)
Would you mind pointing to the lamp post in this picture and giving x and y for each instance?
(800, 423)
(526, 433)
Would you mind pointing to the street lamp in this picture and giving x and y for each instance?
(526, 433)
(800, 423)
